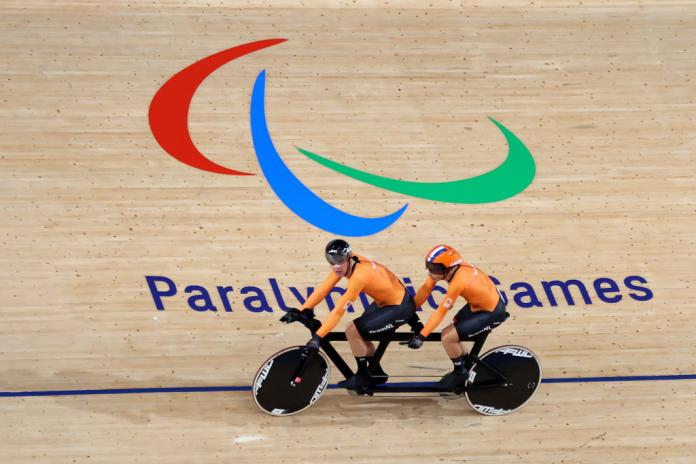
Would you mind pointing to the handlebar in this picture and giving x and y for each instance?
(306, 318)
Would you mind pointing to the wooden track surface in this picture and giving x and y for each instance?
(602, 94)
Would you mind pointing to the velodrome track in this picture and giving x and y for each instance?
(94, 208)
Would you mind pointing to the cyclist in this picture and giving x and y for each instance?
(484, 310)
(392, 307)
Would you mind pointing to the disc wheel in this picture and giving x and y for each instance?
(519, 365)
(272, 389)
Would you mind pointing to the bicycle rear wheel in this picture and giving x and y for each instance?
(272, 390)
(484, 390)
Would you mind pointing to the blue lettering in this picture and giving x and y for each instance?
(278, 296)
(646, 293)
(529, 293)
(296, 293)
(158, 294)
(202, 296)
(522, 294)
(256, 303)
(602, 290)
(223, 291)
(566, 291)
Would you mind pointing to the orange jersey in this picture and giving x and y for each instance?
(370, 277)
(468, 282)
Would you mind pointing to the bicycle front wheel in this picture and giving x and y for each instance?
(273, 391)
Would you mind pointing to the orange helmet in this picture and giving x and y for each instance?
(441, 258)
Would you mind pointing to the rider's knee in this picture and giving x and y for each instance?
(351, 330)
(449, 335)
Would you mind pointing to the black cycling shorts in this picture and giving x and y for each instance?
(468, 324)
(376, 321)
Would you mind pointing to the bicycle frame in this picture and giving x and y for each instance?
(384, 341)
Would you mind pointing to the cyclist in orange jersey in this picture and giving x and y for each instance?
(392, 307)
(484, 310)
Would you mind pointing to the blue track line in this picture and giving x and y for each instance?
(630, 378)
(126, 391)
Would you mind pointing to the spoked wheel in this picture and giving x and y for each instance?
(273, 391)
(485, 391)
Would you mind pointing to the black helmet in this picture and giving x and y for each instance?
(337, 251)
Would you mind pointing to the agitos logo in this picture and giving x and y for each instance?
(169, 124)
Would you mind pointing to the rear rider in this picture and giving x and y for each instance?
(483, 311)
(392, 307)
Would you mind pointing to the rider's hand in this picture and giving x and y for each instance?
(314, 343)
(416, 342)
(291, 315)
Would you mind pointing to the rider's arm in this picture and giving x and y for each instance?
(424, 292)
(453, 293)
(322, 290)
(355, 286)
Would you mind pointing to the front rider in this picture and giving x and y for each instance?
(392, 307)
(484, 310)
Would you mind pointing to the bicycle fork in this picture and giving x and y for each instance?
(296, 377)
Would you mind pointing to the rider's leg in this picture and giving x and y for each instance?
(362, 350)
(467, 325)
(384, 321)
(375, 320)
(358, 345)
(450, 342)
(453, 348)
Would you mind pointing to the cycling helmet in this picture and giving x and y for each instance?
(337, 251)
(441, 258)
